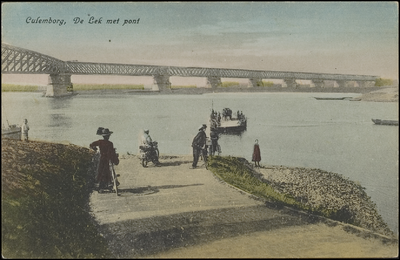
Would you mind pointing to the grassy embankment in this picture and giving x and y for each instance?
(45, 195)
(234, 172)
(237, 173)
(18, 88)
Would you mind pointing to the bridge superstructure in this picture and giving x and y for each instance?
(15, 60)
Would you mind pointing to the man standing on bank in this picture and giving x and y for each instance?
(24, 130)
(107, 155)
(198, 144)
(214, 142)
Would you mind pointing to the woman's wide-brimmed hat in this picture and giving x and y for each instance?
(106, 131)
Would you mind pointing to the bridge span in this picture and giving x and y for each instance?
(15, 60)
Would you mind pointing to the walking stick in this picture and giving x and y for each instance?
(114, 178)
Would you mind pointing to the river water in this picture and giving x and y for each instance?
(293, 129)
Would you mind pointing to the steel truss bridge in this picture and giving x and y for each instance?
(15, 60)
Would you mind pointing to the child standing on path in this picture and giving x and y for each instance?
(256, 154)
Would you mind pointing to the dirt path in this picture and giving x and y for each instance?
(314, 241)
(174, 211)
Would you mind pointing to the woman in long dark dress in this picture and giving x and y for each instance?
(256, 154)
(107, 155)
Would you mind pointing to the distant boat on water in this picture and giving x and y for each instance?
(385, 122)
(11, 132)
(329, 98)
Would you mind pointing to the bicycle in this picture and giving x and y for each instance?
(217, 151)
(204, 157)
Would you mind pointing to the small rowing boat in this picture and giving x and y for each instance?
(329, 98)
(11, 132)
(385, 122)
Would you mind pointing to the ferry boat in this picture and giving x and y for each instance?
(225, 123)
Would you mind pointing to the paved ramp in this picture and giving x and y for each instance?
(173, 206)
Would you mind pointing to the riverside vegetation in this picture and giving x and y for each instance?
(46, 189)
(313, 190)
(45, 195)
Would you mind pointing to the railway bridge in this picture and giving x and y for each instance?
(15, 60)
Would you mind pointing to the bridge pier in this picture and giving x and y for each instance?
(255, 82)
(289, 83)
(162, 82)
(214, 82)
(59, 85)
(318, 83)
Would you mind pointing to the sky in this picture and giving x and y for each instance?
(323, 37)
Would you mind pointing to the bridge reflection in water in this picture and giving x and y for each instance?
(15, 60)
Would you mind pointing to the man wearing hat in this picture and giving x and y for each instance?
(148, 143)
(198, 144)
(146, 138)
(107, 155)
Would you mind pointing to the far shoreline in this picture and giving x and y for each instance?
(386, 93)
(203, 90)
(374, 94)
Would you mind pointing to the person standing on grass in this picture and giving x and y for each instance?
(214, 142)
(107, 155)
(256, 154)
(24, 130)
(198, 144)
